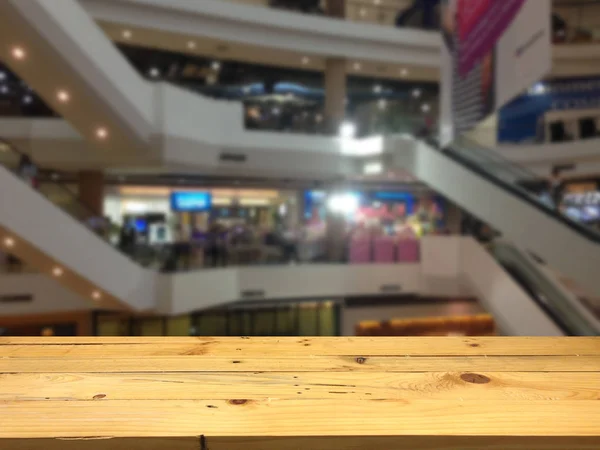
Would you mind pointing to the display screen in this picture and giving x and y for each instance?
(191, 201)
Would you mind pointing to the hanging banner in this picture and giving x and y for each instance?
(492, 51)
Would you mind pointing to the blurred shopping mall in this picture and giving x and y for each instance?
(273, 168)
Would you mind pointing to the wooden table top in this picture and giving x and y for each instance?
(299, 393)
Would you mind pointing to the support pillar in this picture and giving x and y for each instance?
(335, 94)
(335, 78)
(91, 191)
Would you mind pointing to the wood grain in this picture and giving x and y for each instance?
(357, 363)
(295, 393)
(116, 347)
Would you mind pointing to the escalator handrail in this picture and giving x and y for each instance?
(74, 198)
(579, 315)
(517, 191)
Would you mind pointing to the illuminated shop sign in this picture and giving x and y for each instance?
(191, 201)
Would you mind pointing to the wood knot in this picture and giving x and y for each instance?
(473, 345)
(99, 396)
(361, 360)
(237, 401)
(475, 378)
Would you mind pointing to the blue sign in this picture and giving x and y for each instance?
(191, 201)
(520, 119)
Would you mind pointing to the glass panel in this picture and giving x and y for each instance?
(515, 178)
(179, 326)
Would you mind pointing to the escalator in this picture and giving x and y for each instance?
(61, 242)
(572, 316)
(493, 189)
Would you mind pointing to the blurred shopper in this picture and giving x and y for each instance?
(182, 249)
(28, 171)
(556, 187)
(127, 238)
(216, 247)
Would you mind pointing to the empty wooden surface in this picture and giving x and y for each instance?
(299, 393)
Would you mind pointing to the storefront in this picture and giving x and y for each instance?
(163, 214)
(389, 211)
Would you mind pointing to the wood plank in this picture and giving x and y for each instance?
(310, 443)
(293, 346)
(247, 418)
(306, 364)
(444, 386)
(402, 443)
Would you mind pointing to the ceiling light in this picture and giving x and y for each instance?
(96, 295)
(154, 72)
(127, 34)
(28, 99)
(319, 118)
(63, 96)
(4, 89)
(18, 53)
(216, 65)
(2, 76)
(305, 60)
(377, 89)
(425, 108)
(57, 272)
(404, 72)
(101, 133)
(9, 242)
(191, 45)
(363, 12)
(416, 93)
(357, 66)
(382, 103)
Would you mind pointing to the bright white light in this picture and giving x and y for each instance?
(127, 34)
(538, 89)
(96, 295)
(357, 66)
(282, 210)
(377, 89)
(347, 130)
(216, 65)
(343, 203)
(57, 271)
(362, 147)
(27, 99)
(9, 242)
(305, 60)
(404, 72)
(416, 93)
(63, 96)
(154, 72)
(425, 108)
(191, 45)
(4, 89)
(372, 168)
(18, 53)
(382, 104)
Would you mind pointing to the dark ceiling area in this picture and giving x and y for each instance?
(218, 79)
